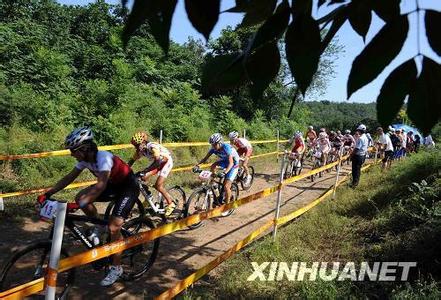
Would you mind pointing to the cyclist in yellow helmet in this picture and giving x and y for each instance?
(162, 164)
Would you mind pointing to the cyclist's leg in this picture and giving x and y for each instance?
(245, 165)
(164, 170)
(90, 209)
(229, 178)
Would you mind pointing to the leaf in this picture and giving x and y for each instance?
(203, 15)
(141, 10)
(338, 22)
(433, 25)
(360, 17)
(302, 43)
(258, 11)
(223, 72)
(302, 7)
(241, 6)
(424, 106)
(381, 50)
(387, 10)
(262, 67)
(161, 21)
(273, 27)
(394, 90)
(321, 2)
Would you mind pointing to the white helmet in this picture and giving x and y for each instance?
(361, 127)
(233, 135)
(77, 137)
(310, 127)
(347, 131)
(298, 134)
(215, 138)
(323, 129)
(322, 135)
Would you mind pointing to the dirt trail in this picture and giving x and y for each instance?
(183, 252)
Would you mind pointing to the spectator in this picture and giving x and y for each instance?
(428, 142)
(385, 145)
(417, 142)
(359, 154)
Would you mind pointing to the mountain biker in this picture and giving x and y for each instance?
(324, 146)
(298, 146)
(336, 143)
(384, 143)
(311, 136)
(244, 149)
(228, 160)
(348, 141)
(114, 179)
(162, 164)
(358, 156)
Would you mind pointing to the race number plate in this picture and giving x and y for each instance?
(49, 210)
(205, 175)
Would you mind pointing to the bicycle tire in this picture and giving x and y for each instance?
(128, 254)
(201, 202)
(179, 198)
(234, 196)
(242, 183)
(9, 272)
(137, 211)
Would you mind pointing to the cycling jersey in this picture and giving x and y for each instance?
(324, 145)
(223, 153)
(153, 151)
(311, 135)
(298, 145)
(349, 140)
(106, 161)
(336, 142)
(243, 146)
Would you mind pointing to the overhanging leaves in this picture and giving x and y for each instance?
(258, 11)
(383, 48)
(223, 72)
(273, 28)
(433, 27)
(203, 15)
(302, 42)
(262, 67)
(360, 16)
(339, 19)
(141, 10)
(387, 10)
(424, 107)
(394, 90)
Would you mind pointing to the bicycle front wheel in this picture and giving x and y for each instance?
(139, 259)
(199, 201)
(246, 187)
(178, 197)
(31, 263)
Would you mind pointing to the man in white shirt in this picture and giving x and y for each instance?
(428, 142)
(359, 154)
(384, 143)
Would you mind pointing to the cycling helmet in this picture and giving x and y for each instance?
(215, 138)
(310, 128)
(347, 131)
(298, 134)
(233, 135)
(361, 127)
(322, 129)
(138, 138)
(338, 132)
(332, 133)
(322, 135)
(77, 137)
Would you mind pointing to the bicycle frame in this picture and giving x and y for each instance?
(154, 207)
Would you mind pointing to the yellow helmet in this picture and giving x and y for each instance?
(138, 138)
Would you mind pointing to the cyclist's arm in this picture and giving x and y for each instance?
(204, 159)
(65, 181)
(230, 164)
(157, 160)
(97, 189)
(135, 157)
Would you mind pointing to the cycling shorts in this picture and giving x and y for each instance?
(164, 168)
(245, 151)
(231, 175)
(124, 195)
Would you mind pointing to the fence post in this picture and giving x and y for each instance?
(2, 204)
(57, 239)
(160, 136)
(278, 144)
(244, 133)
(376, 155)
(336, 176)
(279, 197)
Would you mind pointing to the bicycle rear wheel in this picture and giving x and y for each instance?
(234, 197)
(178, 197)
(31, 263)
(244, 186)
(139, 259)
(137, 211)
(199, 201)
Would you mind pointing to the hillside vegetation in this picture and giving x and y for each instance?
(391, 217)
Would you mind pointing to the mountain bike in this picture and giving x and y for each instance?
(31, 261)
(294, 165)
(241, 178)
(316, 163)
(209, 194)
(153, 203)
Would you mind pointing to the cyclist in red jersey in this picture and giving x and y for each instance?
(298, 146)
(114, 179)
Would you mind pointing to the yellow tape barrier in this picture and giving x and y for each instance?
(87, 183)
(117, 147)
(118, 246)
(189, 280)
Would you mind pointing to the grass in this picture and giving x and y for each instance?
(391, 216)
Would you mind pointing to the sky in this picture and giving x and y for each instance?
(352, 43)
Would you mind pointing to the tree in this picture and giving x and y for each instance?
(293, 22)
